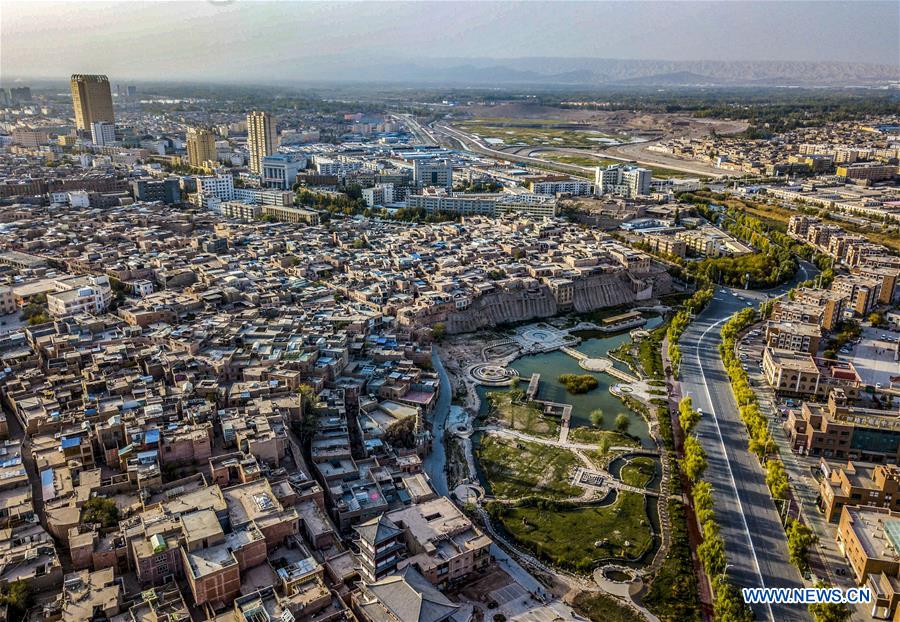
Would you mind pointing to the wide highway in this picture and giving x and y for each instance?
(755, 542)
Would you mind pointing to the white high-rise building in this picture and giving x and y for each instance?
(381, 194)
(621, 179)
(103, 133)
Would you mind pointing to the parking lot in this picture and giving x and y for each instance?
(874, 357)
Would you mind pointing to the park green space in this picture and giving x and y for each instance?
(514, 468)
(638, 471)
(511, 408)
(579, 537)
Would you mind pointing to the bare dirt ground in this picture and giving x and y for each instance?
(611, 121)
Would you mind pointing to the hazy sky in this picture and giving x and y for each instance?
(241, 39)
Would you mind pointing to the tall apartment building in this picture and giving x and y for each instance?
(433, 173)
(381, 194)
(261, 138)
(92, 100)
(103, 133)
(621, 179)
(201, 146)
(832, 304)
(861, 292)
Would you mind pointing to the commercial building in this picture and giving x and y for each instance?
(243, 211)
(103, 133)
(219, 186)
(867, 173)
(280, 170)
(433, 173)
(438, 200)
(837, 430)
(261, 138)
(855, 485)
(621, 179)
(30, 137)
(92, 100)
(559, 184)
(869, 538)
(295, 215)
(201, 146)
(798, 373)
(166, 190)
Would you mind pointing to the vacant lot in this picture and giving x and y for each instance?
(509, 407)
(580, 537)
(578, 160)
(516, 469)
(535, 132)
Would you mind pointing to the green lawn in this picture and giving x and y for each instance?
(515, 468)
(639, 471)
(593, 435)
(580, 537)
(510, 408)
(600, 607)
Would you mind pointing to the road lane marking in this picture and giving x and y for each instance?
(728, 461)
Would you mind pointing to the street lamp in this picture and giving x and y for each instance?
(725, 570)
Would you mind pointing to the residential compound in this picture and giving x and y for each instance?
(230, 380)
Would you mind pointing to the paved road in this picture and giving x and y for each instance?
(750, 525)
(435, 463)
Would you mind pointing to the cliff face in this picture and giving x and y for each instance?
(596, 292)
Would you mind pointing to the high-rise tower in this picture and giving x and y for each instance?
(260, 138)
(92, 100)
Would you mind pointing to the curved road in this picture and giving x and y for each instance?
(755, 542)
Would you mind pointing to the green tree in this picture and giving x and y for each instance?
(604, 445)
(439, 331)
(597, 418)
(829, 612)
(100, 510)
(728, 605)
(622, 422)
(18, 598)
(776, 479)
(800, 539)
(694, 459)
(687, 416)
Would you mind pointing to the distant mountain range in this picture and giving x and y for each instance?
(602, 72)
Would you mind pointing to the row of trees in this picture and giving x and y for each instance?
(692, 306)
(727, 601)
(800, 537)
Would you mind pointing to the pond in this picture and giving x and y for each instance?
(551, 364)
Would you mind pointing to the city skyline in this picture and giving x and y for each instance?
(283, 42)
